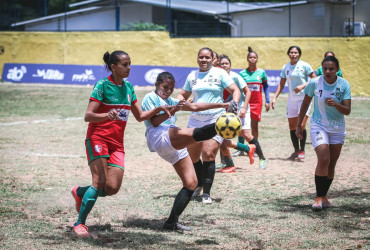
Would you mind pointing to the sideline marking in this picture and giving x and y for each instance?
(40, 121)
(55, 155)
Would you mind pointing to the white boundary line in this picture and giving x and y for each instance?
(40, 121)
(55, 155)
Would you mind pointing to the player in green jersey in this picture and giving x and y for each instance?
(107, 113)
(319, 70)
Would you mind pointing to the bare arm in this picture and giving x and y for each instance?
(92, 116)
(302, 113)
(184, 95)
(279, 88)
(343, 108)
(203, 106)
(247, 93)
(145, 115)
(234, 90)
(302, 86)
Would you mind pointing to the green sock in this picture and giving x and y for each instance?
(241, 139)
(82, 190)
(229, 162)
(88, 202)
(242, 147)
(103, 193)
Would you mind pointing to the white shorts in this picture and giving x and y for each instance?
(160, 143)
(293, 107)
(246, 121)
(198, 124)
(320, 136)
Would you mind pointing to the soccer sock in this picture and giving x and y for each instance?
(103, 193)
(87, 204)
(198, 166)
(241, 139)
(327, 185)
(222, 158)
(204, 133)
(303, 140)
(209, 168)
(181, 201)
(258, 148)
(229, 162)
(242, 147)
(81, 191)
(320, 185)
(295, 140)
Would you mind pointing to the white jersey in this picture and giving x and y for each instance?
(326, 116)
(296, 75)
(207, 87)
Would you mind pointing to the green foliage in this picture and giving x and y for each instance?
(143, 26)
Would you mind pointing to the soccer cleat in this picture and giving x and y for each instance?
(237, 153)
(231, 169)
(233, 107)
(81, 231)
(293, 157)
(317, 206)
(220, 165)
(197, 192)
(252, 149)
(301, 155)
(175, 226)
(263, 164)
(77, 198)
(206, 199)
(325, 202)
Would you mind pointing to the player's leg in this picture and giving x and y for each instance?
(183, 137)
(321, 174)
(254, 126)
(302, 142)
(253, 141)
(209, 152)
(229, 163)
(185, 170)
(88, 201)
(295, 141)
(114, 172)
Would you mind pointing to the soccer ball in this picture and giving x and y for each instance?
(228, 126)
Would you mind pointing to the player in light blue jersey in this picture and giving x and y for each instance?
(170, 142)
(332, 100)
(296, 73)
(207, 85)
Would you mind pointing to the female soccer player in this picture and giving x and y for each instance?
(332, 100)
(170, 141)
(206, 84)
(319, 70)
(244, 114)
(296, 73)
(107, 113)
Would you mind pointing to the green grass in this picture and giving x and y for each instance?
(41, 161)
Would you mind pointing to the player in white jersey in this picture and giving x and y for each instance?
(206, 85)
(170, 141)
(332, 100)
(297, 74)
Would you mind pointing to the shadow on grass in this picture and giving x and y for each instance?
(107, 236)
(345, 215)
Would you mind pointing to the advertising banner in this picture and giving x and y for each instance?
(140, 75)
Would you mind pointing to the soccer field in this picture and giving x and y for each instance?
(42, 156)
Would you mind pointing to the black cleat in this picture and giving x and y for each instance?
(175, 226)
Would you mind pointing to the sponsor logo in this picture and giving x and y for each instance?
(98, 148)
(16, 74)
(274, 81)
(151, 75)
(49, 74)
(123, 114)
(129, 98)
(88, 75)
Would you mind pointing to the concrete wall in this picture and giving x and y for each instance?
(157, 48)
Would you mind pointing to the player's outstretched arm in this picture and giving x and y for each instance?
(146, 115)
(202, 106)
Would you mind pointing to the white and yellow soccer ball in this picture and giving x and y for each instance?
(228, 126)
